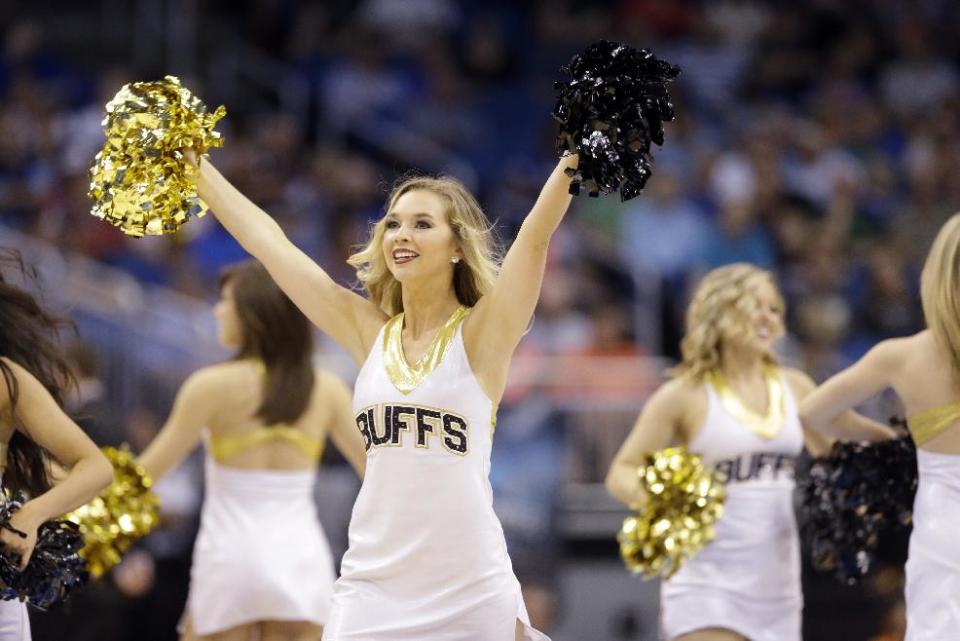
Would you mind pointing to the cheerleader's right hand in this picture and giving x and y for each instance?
(16, 545)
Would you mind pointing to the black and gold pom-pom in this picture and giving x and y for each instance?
(848, 497)
(611, 107)
(55, 567)
(125, 511)
(684, 502)
(140, 180)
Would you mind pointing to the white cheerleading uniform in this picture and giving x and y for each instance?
(748, 578)
(261, 553)
(427, 559)
(14, 621)
(933, 565)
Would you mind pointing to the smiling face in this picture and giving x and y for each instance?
(417, 238)
(762, 321)
(734, 308)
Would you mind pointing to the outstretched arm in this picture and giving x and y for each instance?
(347, 317)
(45, 423)
(828, 409)
(191, 412)
(498, 321)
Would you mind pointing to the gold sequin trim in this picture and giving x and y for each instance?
(766, 425)
(406, 377)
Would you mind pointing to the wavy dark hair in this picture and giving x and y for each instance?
(276, 332)
(29, 336)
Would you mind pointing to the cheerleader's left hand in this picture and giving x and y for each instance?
(16, 545)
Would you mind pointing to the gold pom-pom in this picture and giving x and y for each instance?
(684, 502)
(140, 181)
(125, 511)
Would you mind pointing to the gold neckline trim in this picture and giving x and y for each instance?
(406, 377)
(766, 425)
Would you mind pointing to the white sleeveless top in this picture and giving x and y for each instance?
(748, 578)
(747, 460)
(427, 557)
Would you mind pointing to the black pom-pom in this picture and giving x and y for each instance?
(849, 496)
(610, 109)
(55, 567)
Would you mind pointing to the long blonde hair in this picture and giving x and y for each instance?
(940, 290)
(721, 306)
(473, 276)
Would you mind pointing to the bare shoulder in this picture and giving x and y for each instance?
(328, 385)
(919, 341)
(369, 326)
(221, 380)
(19, 373)
(684, 395)
(891, 352)
(680, 402)
(221, 372)
(22, 376)
(18, 370)
(798, 381)
(682, 388)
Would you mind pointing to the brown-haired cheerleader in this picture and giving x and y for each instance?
(261, 563)
(924, 371)
(35, 377)
(731, 403)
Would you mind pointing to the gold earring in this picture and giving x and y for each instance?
(455, 260)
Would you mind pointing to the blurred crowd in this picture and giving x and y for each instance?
(819, 139)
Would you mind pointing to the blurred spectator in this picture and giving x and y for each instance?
(663, 230)
(890, 306)
(918, 80)
(161, 565)
(737, 236)
(88, 403)
(559, 324)
(526, 474)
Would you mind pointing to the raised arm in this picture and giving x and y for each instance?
(191, 412)
(657, 427)
(45, 423)
(498, 321)
(343, 429)
(828, 409)
(347, 317)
